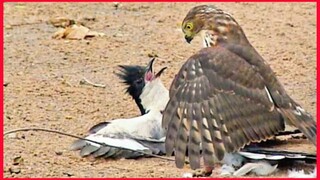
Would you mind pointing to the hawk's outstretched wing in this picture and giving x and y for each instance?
(219, 101)
(291, 111)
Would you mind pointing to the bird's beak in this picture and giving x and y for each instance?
(188, 38)
(160, 72)
(149, 66)
(149, 71)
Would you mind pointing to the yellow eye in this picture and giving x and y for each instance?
(189, 26)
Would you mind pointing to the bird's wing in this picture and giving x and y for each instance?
(259, 153)
(217, 99)
(293, 113)
(122, 137)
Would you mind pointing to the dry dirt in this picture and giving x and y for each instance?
(42, 75)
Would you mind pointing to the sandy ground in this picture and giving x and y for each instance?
(42, 75)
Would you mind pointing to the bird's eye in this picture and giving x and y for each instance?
(139, 81)
(189, 26)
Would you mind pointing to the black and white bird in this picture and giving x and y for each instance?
(142, 133)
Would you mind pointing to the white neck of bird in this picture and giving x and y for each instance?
(154, 96)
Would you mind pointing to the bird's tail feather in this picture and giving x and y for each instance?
(155, 147)
(303, 121)
(96, 150)
(267, 154)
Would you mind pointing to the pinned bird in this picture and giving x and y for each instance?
(225, 96)
(142, 133)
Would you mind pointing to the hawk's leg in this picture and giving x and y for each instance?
(203, 172)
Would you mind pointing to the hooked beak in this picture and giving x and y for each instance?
(188, 39)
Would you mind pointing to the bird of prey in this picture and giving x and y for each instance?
(142, 133)
(225, 96)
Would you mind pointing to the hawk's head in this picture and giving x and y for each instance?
(213, 24)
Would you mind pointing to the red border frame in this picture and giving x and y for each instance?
(2, 65)
(2, 108)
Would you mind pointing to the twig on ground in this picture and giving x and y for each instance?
(87, 82)
(22, 24)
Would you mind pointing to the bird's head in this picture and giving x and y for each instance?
(133, 78)
(213, 24)
(150, 75)
(154, 95)
(136, 77)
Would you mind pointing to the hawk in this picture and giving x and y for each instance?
(225, 96)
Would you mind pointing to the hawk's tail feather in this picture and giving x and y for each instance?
(303, 121)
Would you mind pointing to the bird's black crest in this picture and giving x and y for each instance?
(133, 77)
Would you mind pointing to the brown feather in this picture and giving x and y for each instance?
(194, 145)
(181, 141)
(304, 122)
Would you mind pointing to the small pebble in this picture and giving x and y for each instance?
(17, 160)
(67, 174)
(59, 153)
(14, 170)
(187, 175)
(12, 135)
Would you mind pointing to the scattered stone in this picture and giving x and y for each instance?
(12, 136)
(151, 171)
(290, 24)
(62, 22)
(152, 55)
(67, 174)
(8, 27)
(17, 160)
(14, 170)
(89, 19)
(116, 5)
(187, 175)
(69, 117)
(59, 153)
(76, 32)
